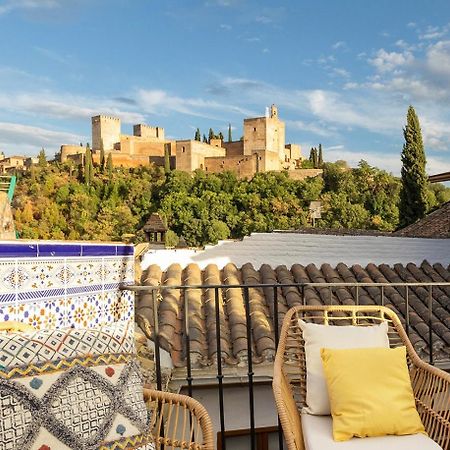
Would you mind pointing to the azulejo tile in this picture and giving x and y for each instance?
(41, 314)
(121, 306)
(43, 274)
(84, 271)
(12, 276)
(18, 250)
(8, 312)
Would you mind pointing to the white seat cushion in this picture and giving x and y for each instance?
(318, 435)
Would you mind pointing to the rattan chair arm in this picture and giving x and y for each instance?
(179, 421)
(431, 388)
(290, 417)
(288, 413)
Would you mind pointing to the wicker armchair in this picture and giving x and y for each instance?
(178, 422)
(431, 386)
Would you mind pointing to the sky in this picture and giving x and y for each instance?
(342, 73)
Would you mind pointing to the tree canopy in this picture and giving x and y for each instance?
(55, 202)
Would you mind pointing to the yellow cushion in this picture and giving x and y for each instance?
(370, 392)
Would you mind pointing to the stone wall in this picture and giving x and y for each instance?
(234, 148)
(243, 166)
(106, 129)
(301, 174)
(191, 154)
(148, 132)
(70, 152)
(7, 230)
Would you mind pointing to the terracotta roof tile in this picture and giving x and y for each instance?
(434, 225)
(233, 326)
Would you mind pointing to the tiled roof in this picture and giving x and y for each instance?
(154, 223)
(290, 248)
(232, 312)
(435, 224)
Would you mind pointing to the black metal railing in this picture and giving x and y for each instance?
(157, 292)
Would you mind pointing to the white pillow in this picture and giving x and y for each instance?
(324, 336)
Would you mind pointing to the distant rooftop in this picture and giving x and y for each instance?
(288, 248)
(435, 224)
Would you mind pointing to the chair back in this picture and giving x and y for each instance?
(290, 356)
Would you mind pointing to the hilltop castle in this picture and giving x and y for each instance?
(262, 148)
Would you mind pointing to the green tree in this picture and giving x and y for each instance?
(42, 159)
(102, 156)
(88, 166)
(413, 194)
(313, 157)
(205, 139)
(171, 239)
(197, 136)
(230, 139)
(220, 136)
(320, 157)
(166, 158)
(211, 135)
(109, 165)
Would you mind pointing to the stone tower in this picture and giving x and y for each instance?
(106, 129)
(265, 134)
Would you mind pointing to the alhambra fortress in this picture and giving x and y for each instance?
(261, 149)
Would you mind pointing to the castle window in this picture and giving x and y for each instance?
(183, 148)
(254, 129)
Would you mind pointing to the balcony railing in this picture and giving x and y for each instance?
(431, 306)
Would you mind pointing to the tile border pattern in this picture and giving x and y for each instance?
(58, 285)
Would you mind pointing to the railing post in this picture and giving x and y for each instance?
(188, 344)
(407, 310)
(430, 318)
(250, 369)
(157, 353)
(219, 370)
(277, 337)
(156, 339)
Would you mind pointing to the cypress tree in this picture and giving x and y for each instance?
(320, 157)
(87, 166)
(198, 136)
(211, 135)
(413, 194)
(166, 158)
(42, 159)
(220, 135)
(109, 166)
(102, 156)
(205, 140)
(229, 133)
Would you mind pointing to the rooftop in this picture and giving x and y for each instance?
(288, 248)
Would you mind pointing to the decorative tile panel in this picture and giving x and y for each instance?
(52, 285)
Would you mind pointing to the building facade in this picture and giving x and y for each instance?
(262, 148)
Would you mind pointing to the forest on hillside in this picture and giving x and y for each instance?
(60, 201)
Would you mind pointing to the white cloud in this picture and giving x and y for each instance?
(160, 102)
(225, 26)
(432, 32)
(10, 5)
(387, 61)
(24, 140)
(340, 45)
(341, 72)
(63, 106)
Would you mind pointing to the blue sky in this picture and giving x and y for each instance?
(342, 73)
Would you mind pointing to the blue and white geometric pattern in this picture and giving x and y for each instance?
(59, 285)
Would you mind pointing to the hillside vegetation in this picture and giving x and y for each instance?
(59, 202)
